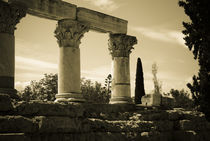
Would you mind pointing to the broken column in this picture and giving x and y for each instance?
(120, 46)
(10, 15)
(69, 34)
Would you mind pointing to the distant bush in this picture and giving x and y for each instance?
(46, 89)
(181, 99)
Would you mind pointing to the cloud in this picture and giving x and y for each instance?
(162, 35)
(97, 74)
(33, 69)
(108, 5)
(31, 64)
(21, 85)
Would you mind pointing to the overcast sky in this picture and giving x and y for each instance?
(157, 24)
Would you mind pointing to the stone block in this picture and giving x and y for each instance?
(119, 126)
(155, 116)
(61, 125)
(107, 110)
(39, 108)
(17, 124)
(13, 137)
(5, 103)
(101, 22)
(49, 9)
(193, 125)
(186, 136)
(175, 115)
(164, 125)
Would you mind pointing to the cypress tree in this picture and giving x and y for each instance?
(139, 90)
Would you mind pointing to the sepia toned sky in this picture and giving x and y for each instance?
(157, 24)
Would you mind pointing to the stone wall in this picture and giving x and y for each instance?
(48, 121)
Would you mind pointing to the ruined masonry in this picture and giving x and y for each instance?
(73, 23)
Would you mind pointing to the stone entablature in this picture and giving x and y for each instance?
(120, 45)
(49, 9)
(101, 22)
(10, 16)
(70, 32)
(59, 10)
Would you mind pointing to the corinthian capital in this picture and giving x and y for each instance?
(120, 45)
(70, 32)
(10, 15)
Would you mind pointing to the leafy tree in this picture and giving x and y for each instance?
(197, 38)
(182, 99)
(46, 89)
(94, 92)
(139, 90)
(157, 84)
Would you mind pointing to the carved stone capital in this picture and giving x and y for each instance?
(10, 15)
(120, 45)
(70, 32)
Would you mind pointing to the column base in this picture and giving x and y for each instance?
(120, 100)
(11, 92)
(69, 97)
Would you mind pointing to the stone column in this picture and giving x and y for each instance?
(10, 15)
(69, 34)
(120, 46)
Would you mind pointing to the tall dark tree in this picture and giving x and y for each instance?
(197, 38)
(139, 90)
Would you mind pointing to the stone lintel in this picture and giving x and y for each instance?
(49, 9)
(102, 22)
(58, 10)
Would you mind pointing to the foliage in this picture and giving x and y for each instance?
(197, 38)
(157, 83)
(182, 99)
(139, 89)
(108, 82)
(94, 92)
(46, 89)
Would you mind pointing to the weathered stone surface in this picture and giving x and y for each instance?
(164, 125)
(17, 124)
(5, 103)
(154, 136)
(49, 109)
(93, 136)
(13, 137)
(194, 125)
(58, 10)
(120, 45)
(119, 126)
(101, 22)
(10, 17)
(108, 111)
(154, 116)
(50, 9)
(186, 136)
(102, 121)
(61, 125)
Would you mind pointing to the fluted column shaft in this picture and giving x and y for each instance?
(10, 15)
(69, 34)
(120, 46)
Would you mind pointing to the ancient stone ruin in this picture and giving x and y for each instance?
(77, 120)
(73, 23)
